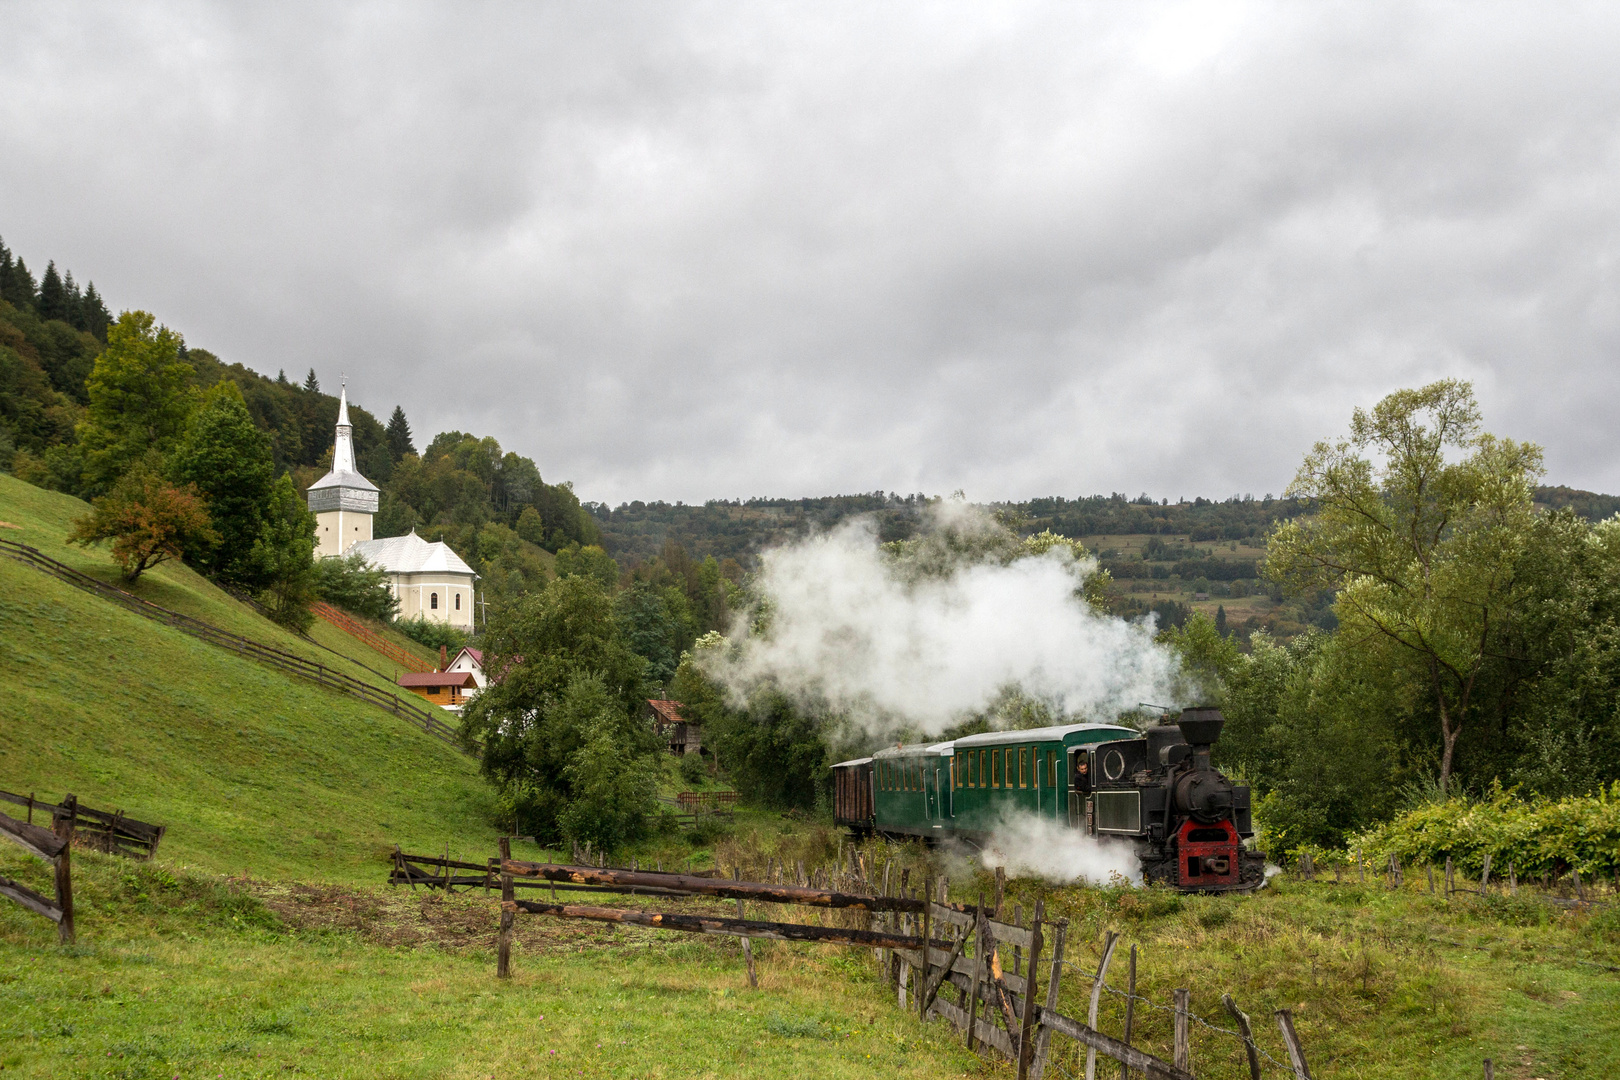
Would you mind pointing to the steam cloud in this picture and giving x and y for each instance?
(1030, 846)
(849, 631)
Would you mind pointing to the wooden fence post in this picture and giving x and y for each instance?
(1001, 890)
(1361, 867)
(1043, 1037)
(1450, 881)
(978, 970)
(1490, 1070)
(1130, 1012)
(503, 949)
(1096, 997)
(1025, 1046)
(63, 827)
(748, 945)
(922, 994)
(1429, 869)
(1241, 1018)
(1183, 1031)
(1485, 874)
(1296, 1053)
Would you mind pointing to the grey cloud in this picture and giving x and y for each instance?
(689, 251)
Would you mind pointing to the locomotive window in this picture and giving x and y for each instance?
(1113, 765)
(1023, 766)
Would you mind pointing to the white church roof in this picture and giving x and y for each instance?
(410, 554)
(344, 474)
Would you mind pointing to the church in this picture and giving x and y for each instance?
(429, 579)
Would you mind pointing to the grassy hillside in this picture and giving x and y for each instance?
(253, 771)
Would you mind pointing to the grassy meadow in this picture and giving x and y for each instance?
(261, 941)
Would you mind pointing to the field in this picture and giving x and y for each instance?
(261, 942)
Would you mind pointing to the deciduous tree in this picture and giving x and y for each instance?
(148, 521)
(140, 398)
(1421, 521)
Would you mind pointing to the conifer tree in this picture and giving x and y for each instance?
(96, 316)
(20, 288)
(1220, 619)
(52, 296)
(311, 383)
(399, 435)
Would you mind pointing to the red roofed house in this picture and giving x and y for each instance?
(685, 736)
(450, 689)
(471, 661)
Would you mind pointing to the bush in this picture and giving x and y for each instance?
(693, 770)
(355, 585)
(432, 634)
(1540, 836)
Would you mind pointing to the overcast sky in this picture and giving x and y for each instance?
(690, 251)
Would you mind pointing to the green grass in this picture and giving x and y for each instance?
(186, 977)
(44, 519)
(252, 770)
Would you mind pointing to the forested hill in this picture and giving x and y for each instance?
(740, 529)
(490, 505)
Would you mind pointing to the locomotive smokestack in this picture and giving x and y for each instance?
(1201, 727)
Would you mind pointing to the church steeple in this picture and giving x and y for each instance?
(343, 501)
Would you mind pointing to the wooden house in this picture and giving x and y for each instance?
(685, 736)
(450, 689)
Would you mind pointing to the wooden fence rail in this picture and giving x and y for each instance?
(372, 640)
(113, 832)
(290, 663)
(54, 845)
(925, 945)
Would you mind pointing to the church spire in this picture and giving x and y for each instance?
(343, 448)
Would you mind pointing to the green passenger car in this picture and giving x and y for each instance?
(967, 787)
(1002, 773)
(912, 789)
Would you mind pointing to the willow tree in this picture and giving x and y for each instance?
(1421, 519)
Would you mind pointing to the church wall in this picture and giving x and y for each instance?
(415, 592)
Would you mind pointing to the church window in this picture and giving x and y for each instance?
(458, 601)
(433, 601)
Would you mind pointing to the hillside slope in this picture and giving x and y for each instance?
(251, 769)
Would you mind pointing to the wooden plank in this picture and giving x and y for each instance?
(1096, 999)
(985, 1033)
(953, 915)
(34, 839)
(28, 898)
(1155, 1068)
(1009, 934)
(1183, 1004)
(704, 924)
(1027, 1013)
(1296, 1053)
(1241, 1018)
(725, 890)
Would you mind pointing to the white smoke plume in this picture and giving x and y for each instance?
(850, 631)
(1037, 847)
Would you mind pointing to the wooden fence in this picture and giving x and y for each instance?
(370, 638)
(691, 807)
(925, 945)
(287, 662)
(112, 832)
(1583, 893)
(54, 845)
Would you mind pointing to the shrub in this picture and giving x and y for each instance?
(355, 585)
(432, 634)
(148, 521)
(693, 769)
(1539, 836)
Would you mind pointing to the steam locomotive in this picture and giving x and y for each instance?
(1154, 789)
